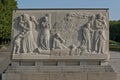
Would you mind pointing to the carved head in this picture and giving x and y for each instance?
(87, 25)
(103, 17)
(69, 16)
(26, 17)
(92, 17)
(45, 18)
(20, 18)
(32, 18)
(57, 35)
(99, 16)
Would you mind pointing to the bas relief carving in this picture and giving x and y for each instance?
(45, 33)
(70, 34)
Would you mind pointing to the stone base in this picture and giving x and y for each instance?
(18, 57)
(83, 59)
(88, 72)
(59, 76)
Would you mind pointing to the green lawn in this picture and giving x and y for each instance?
(114, 46)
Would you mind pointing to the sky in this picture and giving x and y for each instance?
(113, 5)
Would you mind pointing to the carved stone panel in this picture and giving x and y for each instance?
(60, 32)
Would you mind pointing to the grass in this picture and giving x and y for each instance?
(114, 46)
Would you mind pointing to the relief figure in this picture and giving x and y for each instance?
(34, 28)
(58, 42)
(86, 33)
(45, 33)
(17, 43)
(29, 44)
(100, 38)
(100, 42)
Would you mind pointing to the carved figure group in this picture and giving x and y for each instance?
(92, 31)
(100, 37)
(27, 42)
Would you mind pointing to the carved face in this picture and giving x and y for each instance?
(99, 16)
(92, 17)
(69, 17)
(32, 18)
(88, 25)
(57, 35)
(45, 19)
(26, 17)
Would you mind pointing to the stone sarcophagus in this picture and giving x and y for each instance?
(60, 44)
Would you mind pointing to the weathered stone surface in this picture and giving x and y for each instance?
(47, 57)
(61, 76)
(57, 32)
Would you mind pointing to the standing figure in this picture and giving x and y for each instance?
(45, 33)
(87, 37)
(29, 44)
(34, 28)
(17, 43)
(100, 26)
(100, 42)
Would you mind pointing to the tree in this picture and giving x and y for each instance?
(6, 7)
(115, 30)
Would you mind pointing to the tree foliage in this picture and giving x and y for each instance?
(6, 7)
(115, 30)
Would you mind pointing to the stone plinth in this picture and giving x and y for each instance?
(60, 73)
(84, 59)
(47, 57)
